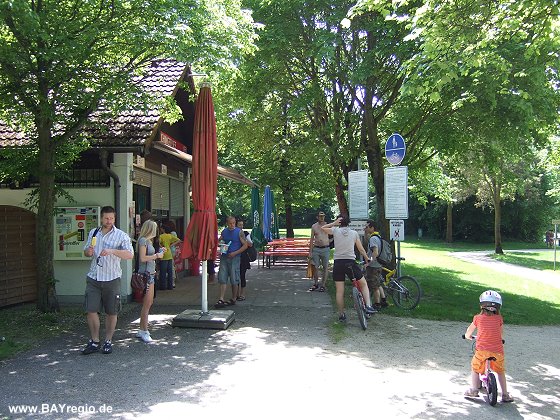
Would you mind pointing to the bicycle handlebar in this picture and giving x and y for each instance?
(474, 338)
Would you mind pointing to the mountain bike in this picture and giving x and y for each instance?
(405, 291)
(488, 378)
(359, 301)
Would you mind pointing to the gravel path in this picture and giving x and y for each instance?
(551, 278)
(278, 360)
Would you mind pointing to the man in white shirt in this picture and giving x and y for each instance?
(106, 246)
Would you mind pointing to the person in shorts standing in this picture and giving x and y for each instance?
(374, 272)
(319, 253)
(147, 257)
(106, 246)
(230, 260)
(345, 239)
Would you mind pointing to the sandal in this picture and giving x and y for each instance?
(471, 393)
(240, 298)
(506, 398)
(220, 304)
(313, 288)
(322, 289)
(230, 302)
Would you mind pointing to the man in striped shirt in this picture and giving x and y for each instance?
(106, 246)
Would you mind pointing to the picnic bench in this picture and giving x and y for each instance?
(284, 247)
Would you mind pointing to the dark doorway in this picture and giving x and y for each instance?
(142, 198)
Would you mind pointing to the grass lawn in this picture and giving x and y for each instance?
(539, 260)
(298, 233)
(451, 287)
(24, 326)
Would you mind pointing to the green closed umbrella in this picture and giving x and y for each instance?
(256, 233)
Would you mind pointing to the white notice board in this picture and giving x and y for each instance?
(71, 229)
(396, 192)
(396, 230)
(358, 194)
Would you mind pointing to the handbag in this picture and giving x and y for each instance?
(252, 253)
(139, 281)
(310, 270)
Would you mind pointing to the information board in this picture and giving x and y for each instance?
(71, 229)
(358, 226)
(396, 192)
(358, 194)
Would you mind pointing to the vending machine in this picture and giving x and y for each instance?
(71, 228)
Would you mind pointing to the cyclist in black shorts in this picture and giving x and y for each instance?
(345, 261)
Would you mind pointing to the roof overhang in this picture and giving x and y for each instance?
(223, 171)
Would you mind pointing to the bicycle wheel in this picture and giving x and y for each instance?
(359, 305)
(405, 292)
(492, 389)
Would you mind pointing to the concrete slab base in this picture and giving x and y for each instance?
(194, 318)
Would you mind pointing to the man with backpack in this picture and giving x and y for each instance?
(374, 271)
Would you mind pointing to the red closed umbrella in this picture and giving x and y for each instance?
(201, 237)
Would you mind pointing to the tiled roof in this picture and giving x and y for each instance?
(9, 137)
(134, 127)
(131, 127)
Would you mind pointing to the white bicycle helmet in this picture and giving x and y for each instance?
(490, 300)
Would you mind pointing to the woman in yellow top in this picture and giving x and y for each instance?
(166, 265)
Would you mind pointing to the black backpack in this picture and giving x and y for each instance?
(385, 256)
(250, 251)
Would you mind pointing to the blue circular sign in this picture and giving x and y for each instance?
(395, 149)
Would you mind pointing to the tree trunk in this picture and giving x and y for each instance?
(370, 141)
(449, 221)
(47, 300)
(287, 196)
(341, 198)
(497, 218)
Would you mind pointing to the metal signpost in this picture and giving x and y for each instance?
(555, 223)
(396, 190)
(396, 230)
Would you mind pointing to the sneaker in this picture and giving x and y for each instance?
(471, 393)
(506, 398)
(377, 307)
(342, 318)
(92, 347)
(107, 347)
(370, 309)
(384, 304)
(144, 336)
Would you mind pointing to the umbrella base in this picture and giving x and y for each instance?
(194, 318)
